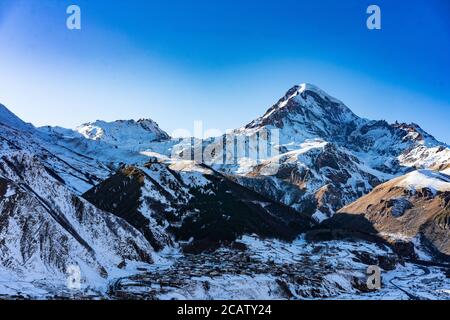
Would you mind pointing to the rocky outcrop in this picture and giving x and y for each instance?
(193, 204)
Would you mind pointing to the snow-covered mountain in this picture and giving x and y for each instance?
(45, 226)
(326, 156)
(306, 112)
(126, 134)
(179, 201)
(111, 196)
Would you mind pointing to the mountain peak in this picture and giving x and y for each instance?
(311, 87)
(304, 88)
(306, 111)
(415, 133)
(126, 134)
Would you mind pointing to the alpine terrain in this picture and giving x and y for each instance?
(296, 204)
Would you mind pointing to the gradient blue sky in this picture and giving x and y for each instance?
(224, 61)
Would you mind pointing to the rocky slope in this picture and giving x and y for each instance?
(413, 206)
(188, 203)
(45, 227)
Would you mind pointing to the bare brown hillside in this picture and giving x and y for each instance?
(406, 207)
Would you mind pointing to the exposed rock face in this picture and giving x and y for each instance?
(398, 206)
(319, 177)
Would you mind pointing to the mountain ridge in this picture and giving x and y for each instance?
(123, 180)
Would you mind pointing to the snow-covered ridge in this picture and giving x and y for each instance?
(11, 120)
(302, 88)
(419, 179)
(126, 134)
(299, 89)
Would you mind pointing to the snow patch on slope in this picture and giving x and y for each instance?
(419, 179)
(319, 216)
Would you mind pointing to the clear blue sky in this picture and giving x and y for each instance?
(224, 61)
